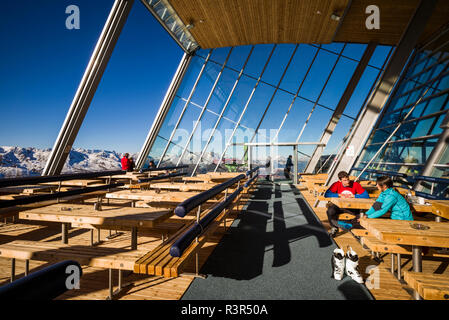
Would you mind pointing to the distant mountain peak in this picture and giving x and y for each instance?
(20, 161)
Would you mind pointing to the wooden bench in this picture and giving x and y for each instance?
(159, 261)
(429, 286)
(98, 257)
(377, 246)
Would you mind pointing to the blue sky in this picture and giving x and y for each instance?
(42, 63)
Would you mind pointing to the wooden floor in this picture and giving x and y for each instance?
(388, 287)
(94, 282)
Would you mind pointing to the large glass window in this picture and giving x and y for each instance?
(284, 90)
(415, 112)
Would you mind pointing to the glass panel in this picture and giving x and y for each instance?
(361, 91)
(295, 120)
(354, 50)
(276, 112)
(278, 63)
(258, 60)
(220, 138)
(186, 125)
(172, 117)
(298, 68)
(222, 90)
(318, 75)
(156, 151)
(257, 105)
(335, 47)
(238, 57)
(206, 83)
(190, 77)
(239, 98)
(337, 83)
(379, 56)
(219, 55)
(316, 125)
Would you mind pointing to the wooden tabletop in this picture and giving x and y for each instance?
(366, 204)
(402, 232)
(108, 216)
(185, 187)
(151, 196)
(441, 208)
(75, 183)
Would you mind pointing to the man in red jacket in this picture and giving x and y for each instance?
(125, 162)
(344, 188)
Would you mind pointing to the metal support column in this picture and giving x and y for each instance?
(329, 130)
(163, 110)
(380, 96)
(89, 83)
(417, 265)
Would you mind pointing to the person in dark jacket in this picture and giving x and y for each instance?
(267, 169)
(131, 165)
(288, 167)
(344, 188)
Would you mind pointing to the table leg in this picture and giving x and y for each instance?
(134, 238)
(417, 265)
(65, 233)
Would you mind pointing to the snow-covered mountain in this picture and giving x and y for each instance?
(17, 161)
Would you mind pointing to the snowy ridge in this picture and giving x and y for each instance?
(17, 161)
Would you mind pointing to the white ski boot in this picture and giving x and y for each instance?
(352, 263)
(338, 263)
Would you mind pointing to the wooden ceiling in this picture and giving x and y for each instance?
(222, 23)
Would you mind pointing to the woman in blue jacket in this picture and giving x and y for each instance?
(389, 200)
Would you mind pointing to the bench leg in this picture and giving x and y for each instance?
(113, 235)
(13, 269)
(65, 233)
(113, 293)
(134, 238)
(392, 263)
(27, 267)
(399, 266)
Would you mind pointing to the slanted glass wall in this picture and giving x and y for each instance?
(420, 103)
(264, 93)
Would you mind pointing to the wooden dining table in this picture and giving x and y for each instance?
(417, 234)
(366, 204)
(440, 208)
